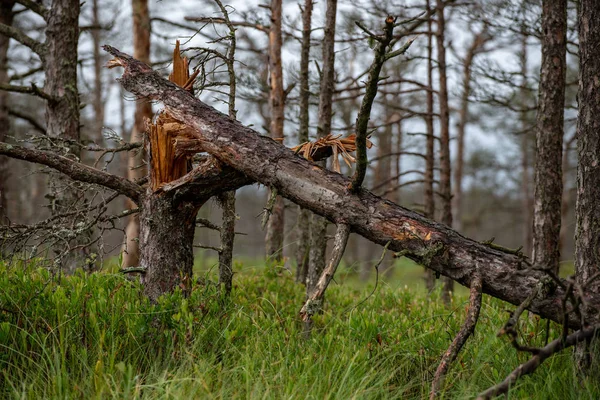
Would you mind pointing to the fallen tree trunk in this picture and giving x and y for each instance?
(505, 275)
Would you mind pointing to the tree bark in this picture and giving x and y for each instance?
(429, 198)
(62, 113)
(504, 275)
(318, 225)
(526, 201)
(303, 224)
(166, 242)
(227, 203)
(62, 110)
(445, 171)
(587, 239)
(6, 18)
(143, 111)
(547, 195)
(98, 66)
(276, 223)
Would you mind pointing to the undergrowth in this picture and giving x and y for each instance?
(96, 336)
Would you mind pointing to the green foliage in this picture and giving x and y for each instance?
(96, 336)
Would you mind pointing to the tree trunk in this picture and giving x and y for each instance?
(6, 18)
(98, 67)
(587, 239)
(227, 203)
(429, 198)
(318, 225)
(445, 171)
(549, 136)
(526, 202)
(504, 275)
(166, 243)
(143, 111)
(275, 226)
(303, 224)
(62, 114)
(463, 120)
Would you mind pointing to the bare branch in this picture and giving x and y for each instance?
(35, 6)
(25, 74)
(459, 341)
(534, 362)
(315, 299)
(73, 169)
(33, 89)
(211, 20)
(364, 114)
(32, 121)
(19, 36)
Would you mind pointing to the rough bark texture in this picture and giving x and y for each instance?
(547, 195)
(275, 226)
(166, 243)
(429, 198)
(526, 200)
(143, 110)
(364, 114)
(62, 113)
(97, 101)
(587, 238)
(504, 275)
(227, 203)
(318, 225)
(445, 171)
(6, 18)
(303, 224)
(227, 200)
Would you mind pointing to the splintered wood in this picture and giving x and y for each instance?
(166, 163)
(171, 144)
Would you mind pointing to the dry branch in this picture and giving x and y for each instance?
(74, 170)
(459, 341)
(434, 245)
(315, 298)
(534, 362)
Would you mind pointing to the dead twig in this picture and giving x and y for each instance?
(461, 337)
(534, 362)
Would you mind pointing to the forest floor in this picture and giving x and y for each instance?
(96, 336)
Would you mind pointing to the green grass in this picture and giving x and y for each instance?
(96, 336)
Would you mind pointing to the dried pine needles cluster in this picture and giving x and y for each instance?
(330, 145)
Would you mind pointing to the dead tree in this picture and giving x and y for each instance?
(505, 274)
(227, 199)
(549, 136)
(97, 100)
(303, 223)
(318, 225)
(428, 195)
(525, 145)
(445, 171)
(275, 224)
(143, 111)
